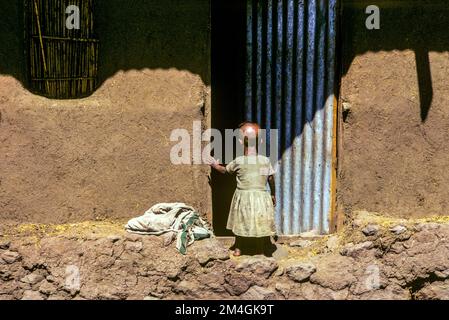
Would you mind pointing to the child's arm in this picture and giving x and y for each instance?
(217, 166)
(272, 188)
(220, 168)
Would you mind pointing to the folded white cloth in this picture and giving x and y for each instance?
(178, 218)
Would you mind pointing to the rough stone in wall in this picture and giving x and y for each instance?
(101, 261)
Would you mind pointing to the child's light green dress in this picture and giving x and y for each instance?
(252, 212)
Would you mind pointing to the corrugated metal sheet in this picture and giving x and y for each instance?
(290, 87)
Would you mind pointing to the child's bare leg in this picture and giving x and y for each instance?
(237, 245)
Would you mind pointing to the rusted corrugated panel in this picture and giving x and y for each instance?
(290, 87)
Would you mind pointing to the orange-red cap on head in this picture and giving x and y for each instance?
(250, 130)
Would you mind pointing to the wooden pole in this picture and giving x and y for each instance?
(41, 42)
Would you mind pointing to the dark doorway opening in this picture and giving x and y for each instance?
(228, 51)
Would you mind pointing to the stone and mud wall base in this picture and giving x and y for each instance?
(372, 258)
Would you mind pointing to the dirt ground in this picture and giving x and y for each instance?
(395, 135)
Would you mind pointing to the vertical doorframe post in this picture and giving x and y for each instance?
(336, 215)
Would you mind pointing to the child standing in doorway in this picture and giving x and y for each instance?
(251, 215)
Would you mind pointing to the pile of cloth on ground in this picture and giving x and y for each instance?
(172, 220)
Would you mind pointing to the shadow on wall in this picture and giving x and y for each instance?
(136, 35)
(420, 26)
(12, 57)
(153, 34)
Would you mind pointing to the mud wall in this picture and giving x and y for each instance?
(107, 156)
(395, 127)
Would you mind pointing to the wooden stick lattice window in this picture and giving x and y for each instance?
(62, 61)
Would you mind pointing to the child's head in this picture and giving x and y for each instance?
(249, 134)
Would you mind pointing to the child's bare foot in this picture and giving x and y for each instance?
(237, 252)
